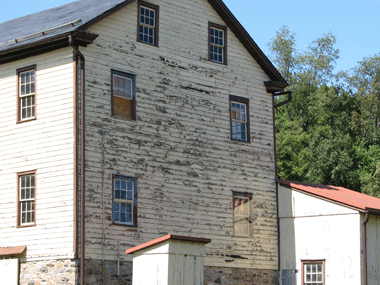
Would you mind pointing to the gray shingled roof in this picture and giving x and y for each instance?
(55, 21)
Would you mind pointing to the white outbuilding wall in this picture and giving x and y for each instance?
(314, 229)
(373, 250)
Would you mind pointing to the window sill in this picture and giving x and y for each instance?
(124, 225)
(242, 236)
(26, 226)
(148, 44)
(217, 62)
(27, 120)
(240, 141)
(122, 119)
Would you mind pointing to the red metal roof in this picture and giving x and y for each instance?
(165, 238)
(12, 250)
(341, 195)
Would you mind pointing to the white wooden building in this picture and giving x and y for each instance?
(175, 101)
(328, 235)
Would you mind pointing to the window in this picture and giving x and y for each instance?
(26, 78)
(217, 43)
(148, 23)
(26, 199)
(239, 108)
(242, 203)
(125, 200)
(313, 272)
(123, 95)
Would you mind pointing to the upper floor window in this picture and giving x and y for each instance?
(148, 23)
(239, 108)
(123, 95)
(217, 43)
(26, 78)
(313, 272)
(26, 199)
(242, 203)
(125, 200)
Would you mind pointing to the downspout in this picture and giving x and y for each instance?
(275, 167)
(364, 250)
(82, 158)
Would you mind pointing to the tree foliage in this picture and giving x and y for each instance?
(330, 132)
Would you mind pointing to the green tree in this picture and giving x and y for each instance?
(284, 52)
(366, 86)
(330, 132)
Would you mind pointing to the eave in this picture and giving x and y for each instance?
(360, 209)
(46, 45)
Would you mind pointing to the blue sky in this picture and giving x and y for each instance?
(356, 24)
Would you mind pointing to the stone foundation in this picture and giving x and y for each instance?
(240, 276)
(49, 272)
(95, 274)
(66, 272)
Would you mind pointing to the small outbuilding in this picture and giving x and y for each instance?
(328, 235)
(169, 260)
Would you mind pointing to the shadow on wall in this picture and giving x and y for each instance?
(288, 264)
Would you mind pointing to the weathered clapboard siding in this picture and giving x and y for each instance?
(179, 148)
(45, 145)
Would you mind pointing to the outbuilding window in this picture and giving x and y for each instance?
(313, 272)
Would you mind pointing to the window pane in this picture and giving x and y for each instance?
(117, 184)
(130, 185)
(314, 268)
(116, 211)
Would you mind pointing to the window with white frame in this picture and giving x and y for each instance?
(242, 207)
(26, 198)
(148, 23)
(239, 118)
(123, 95)
(125, 200)
(313, 272)
(217, 43)
(26, 93)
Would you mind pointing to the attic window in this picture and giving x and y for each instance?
(148, 23)
(123, 95)
(217, 43)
